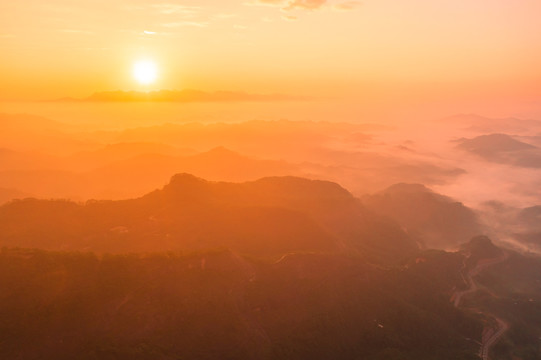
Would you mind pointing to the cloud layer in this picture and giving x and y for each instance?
(287, 5)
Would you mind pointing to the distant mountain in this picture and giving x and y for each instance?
(531, 217)
(526, 226)
(10, 194)
(298, 139)
(30, 133)
(487, 145)
(134, 176)
(517, 228)
(24, 160)
(324, 150)
(269, 217)
(503, 148)
(110, 153)
(482, 124)
(436, 221)
(29, 122)
(187, 95)
(137, 175)
(126, 170)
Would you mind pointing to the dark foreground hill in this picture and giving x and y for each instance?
(217, 305)
(266, 218)
(279, 268)
(501, 287)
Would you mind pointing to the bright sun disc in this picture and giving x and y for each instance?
(145, 72)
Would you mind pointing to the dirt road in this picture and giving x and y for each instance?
(490, 335)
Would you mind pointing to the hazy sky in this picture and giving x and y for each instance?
(482, 48)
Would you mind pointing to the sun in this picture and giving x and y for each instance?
(145, 72)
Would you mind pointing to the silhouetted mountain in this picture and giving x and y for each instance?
(47, 183)
(481, 124)
(87, 160)
(531, 217)
(10, 194)
(503, 148)
(296, 139)
(324, 150)
(487, 145)
(436, 221)
(481, 247)
(137, 175)
(187, 95)
(17, 160)
(517, 228)
(23, 132)
(29, 122)
(268, 217)
(524, 226)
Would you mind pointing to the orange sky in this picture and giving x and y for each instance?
(59, 48)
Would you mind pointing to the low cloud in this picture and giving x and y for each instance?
(289, 17)
(277, 3)
(76, 31)
(305, 4)
(346, 6)
(224, 16)
(186, 23)
(170, 9)
(291, 4)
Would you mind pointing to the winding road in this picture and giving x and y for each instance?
(491, 335)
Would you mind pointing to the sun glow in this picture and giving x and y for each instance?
(145, 72)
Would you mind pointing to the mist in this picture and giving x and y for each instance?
(120, 151)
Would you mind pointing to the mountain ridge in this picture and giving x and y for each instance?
(182, 96)
(270, 216)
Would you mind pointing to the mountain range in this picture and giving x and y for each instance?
(503, 148)
(438, 221)
(269, 217)
(187, 95)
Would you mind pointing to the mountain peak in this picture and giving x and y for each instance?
(481, 247)
(407, 188)
(184, 179)
(494, 142)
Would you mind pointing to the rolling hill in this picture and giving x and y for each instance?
(269, 217)
(503, 148)
(436, 221)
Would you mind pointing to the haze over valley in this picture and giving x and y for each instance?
(270, 179)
